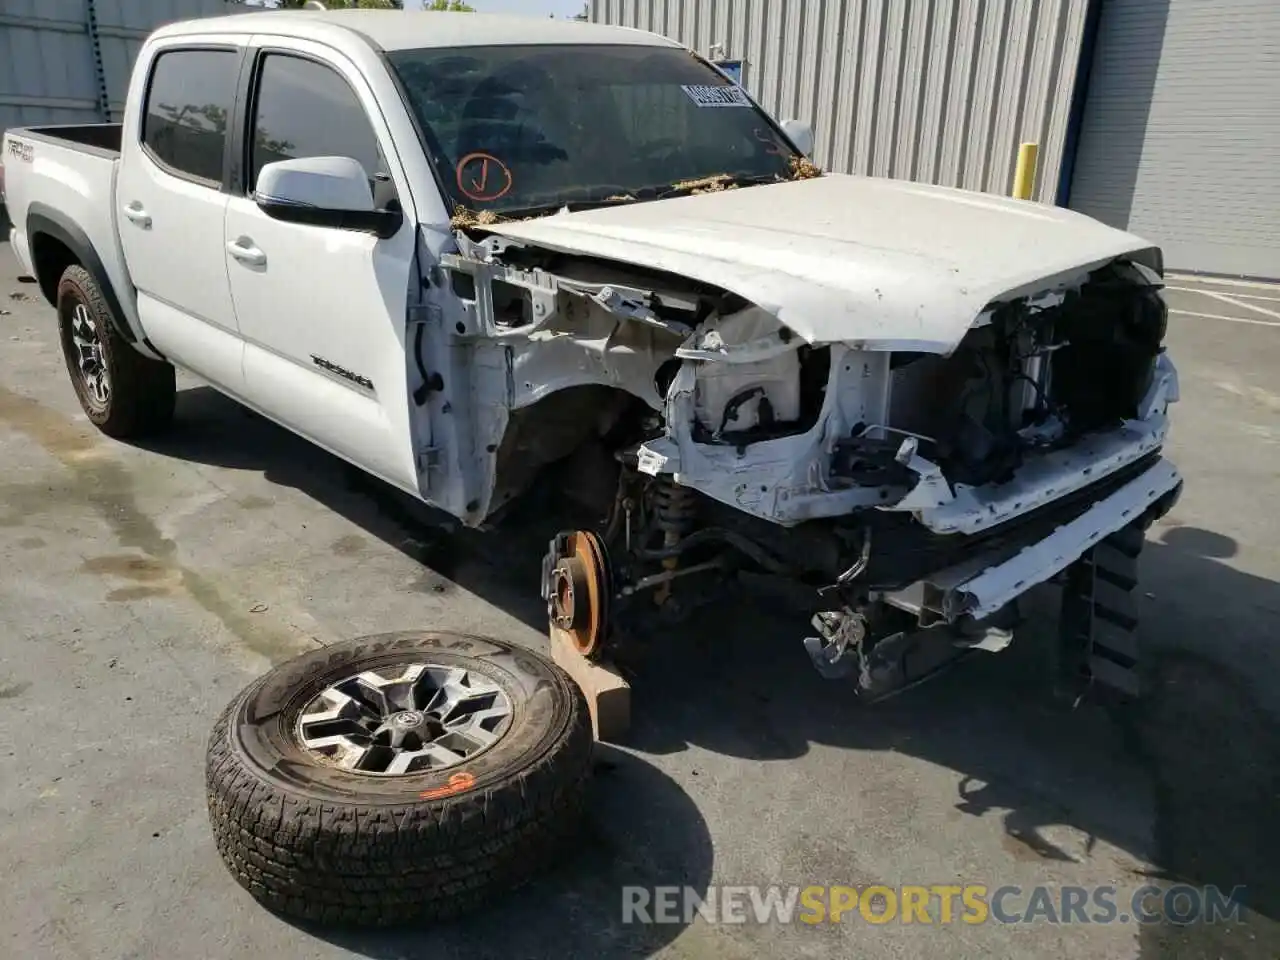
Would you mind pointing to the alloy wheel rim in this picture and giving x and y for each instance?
(404, 720)
(89, 357)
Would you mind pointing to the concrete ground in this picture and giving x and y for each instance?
(141, 588)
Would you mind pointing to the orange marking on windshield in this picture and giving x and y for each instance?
(483, 177)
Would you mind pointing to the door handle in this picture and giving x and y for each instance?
(138, 214)
(243, 250)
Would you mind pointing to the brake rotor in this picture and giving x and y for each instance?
(580, 588)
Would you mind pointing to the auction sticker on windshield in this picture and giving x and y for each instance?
(723, 96)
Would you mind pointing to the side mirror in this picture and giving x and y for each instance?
(801, 134)
(323, 192)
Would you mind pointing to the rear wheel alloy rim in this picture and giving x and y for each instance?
(421, 719)
(89, 358)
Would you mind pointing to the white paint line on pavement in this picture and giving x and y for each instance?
(1233, 302)
(1220, 282)
(1215, 316)
(1243, 296)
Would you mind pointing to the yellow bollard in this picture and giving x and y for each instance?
(1024, 178)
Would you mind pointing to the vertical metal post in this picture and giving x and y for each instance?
(1024, 178)
(99, 69)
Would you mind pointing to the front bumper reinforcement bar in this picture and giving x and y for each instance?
(980, 587)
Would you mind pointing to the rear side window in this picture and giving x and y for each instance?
(189, 103)
(305, 109)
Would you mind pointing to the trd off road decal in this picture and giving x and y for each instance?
(23, 151)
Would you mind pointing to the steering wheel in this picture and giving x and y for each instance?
(659, 151)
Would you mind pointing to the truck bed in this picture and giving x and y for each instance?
(98, 137)
(59, 187)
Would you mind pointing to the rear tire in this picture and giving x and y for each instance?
(310, 818)
(123, 393)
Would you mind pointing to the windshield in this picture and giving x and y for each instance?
(513, 128)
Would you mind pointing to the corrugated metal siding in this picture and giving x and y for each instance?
(1181, 131)
(49, 68)
(941, 91)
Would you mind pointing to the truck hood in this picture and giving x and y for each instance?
(881, 264)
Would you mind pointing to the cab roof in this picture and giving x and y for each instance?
(407, 30)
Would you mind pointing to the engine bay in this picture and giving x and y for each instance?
(1036, 376)
(697, 436)
(695, 384)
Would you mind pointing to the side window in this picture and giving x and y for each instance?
(189, 100)
(305, 109)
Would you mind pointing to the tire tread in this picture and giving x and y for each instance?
(382, 865)
(143, 390)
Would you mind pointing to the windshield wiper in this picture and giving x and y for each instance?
(712, 184)
(569, 205)
(607, 195)
(618, 195)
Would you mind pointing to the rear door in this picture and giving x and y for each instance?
(171, 201)
(323, 310)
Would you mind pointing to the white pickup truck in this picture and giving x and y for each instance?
(472, 254)
(478, 256)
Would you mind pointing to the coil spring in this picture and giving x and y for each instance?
(675, 507)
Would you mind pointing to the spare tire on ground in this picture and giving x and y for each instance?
(398, 778)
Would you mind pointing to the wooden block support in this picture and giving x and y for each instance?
(608, 694)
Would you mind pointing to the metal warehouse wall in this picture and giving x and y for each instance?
(68, 61)
(940, 91)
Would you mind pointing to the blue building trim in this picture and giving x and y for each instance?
(1079, 97)
(731, 69)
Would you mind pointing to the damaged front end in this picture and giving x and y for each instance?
(903, 489)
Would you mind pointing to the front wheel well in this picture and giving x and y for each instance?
(50, 258)
(586, 420)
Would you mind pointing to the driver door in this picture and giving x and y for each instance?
(322, 310)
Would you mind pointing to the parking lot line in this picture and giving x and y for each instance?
(1233, 302)
(1221, 282)
(1242, 296)
(1216, 316)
